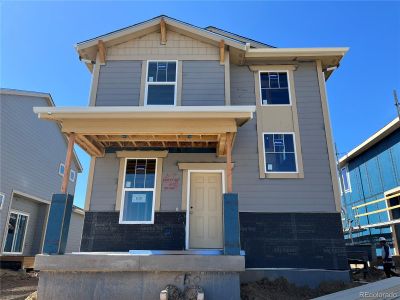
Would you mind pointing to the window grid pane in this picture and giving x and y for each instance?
(161, 71)
(279, 153)
(274, 88)
(139, 189)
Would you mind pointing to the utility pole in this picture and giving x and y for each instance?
(396, 103)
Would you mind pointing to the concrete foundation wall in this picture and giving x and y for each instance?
(125, 276)
(134, 285)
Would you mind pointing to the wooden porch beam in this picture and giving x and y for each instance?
(159, 138)
(222, 52)
(95, 148)
(229, 140)
(221, 145)
(163, 29)
(68, 160)
(102, 51)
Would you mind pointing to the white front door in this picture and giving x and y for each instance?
(205, 211)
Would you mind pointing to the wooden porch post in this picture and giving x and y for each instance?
(229, 162)
(68, 159)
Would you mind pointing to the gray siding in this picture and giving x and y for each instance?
(119, 83)
(105, 183)
(75, 232)
(171, 199)
(30, 152)
(314, 193)
(242, 85)
(37, 213)
(105, 180)
(203, 83)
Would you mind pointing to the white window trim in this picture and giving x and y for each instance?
(175, 83)
(295, 153)
(59, 169)
(3, 196)
(348, 179)
(188, 201)
(70, 172)
(289, 91)
(26, 229)
(154, 189)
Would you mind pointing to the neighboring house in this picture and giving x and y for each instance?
(370, 180)
(31, 170)
(170, 105)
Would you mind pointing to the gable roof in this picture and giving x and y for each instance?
(243, 39)
(244, 48)
(371, 141)
(88, 49)
(50, 102)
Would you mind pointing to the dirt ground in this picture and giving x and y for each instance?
(281, 289)
(17, 285)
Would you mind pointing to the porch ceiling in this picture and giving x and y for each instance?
(98, 128)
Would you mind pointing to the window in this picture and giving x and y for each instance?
(161, 83)
(274, 88)
(17, 224)
(72, 173)
(2, 198)
(344, 173)
(61, 169)
(280, 153)
(138, 193)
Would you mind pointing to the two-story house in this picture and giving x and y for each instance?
(179, 116)
(370, 181)
(31, 169)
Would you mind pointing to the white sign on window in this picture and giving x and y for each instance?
(269, 167)
(139, 198)
(150, 78)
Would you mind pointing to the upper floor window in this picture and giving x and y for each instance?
(344, 173)
(138, 195)
(161, 83)
(72, 173)
(274, 88)
(280, 153)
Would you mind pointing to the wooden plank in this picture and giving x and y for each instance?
(68, 160)
(163, 29)
(229, 161)
(102, 51)
(222, 52)
(28, 262)
(144, 126)
(221, 145)
(158, 138)
(95, 147)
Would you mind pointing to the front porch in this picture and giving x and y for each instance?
(160, 206)
(145, 141)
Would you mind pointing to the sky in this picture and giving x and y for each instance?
(37, 49)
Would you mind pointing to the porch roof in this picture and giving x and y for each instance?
(98, 128)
